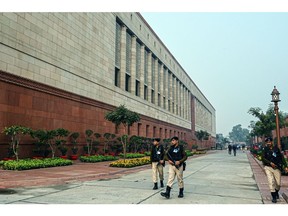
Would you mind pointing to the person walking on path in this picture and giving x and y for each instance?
(229, 149)
(234, 149)
(176, 156)
(157, 162)
(274, 163)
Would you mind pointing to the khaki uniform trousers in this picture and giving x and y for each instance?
(274, 178)
(173, 172)
(157, 170)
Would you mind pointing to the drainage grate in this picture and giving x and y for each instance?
(7, 191)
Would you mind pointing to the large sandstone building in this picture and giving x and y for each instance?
(66, 70)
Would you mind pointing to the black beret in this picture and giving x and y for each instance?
(174, 138)
(156, 139)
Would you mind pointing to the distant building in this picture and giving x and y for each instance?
(66, 70)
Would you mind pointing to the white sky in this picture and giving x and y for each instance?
(234, 51)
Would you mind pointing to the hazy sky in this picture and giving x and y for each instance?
(235, 59)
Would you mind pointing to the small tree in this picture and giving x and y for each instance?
(89, 140)
(136, 141)
(121, 115)
(60, 140)
(202, 135)
(16, 132)
(108, 138)
(42, 142)
(266, 121)
(96, 142)
(74, 136)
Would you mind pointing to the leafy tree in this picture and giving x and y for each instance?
(108, 138)
(89, 140)
(238, 134)
(42, 142)
(96, 142)
(60, 139)
(16, 132)
(219, 138)
(123, 116)
(136, 141)
(266, 121)
(202, 135)
(74, 136)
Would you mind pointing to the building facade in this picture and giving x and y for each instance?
(66, 70)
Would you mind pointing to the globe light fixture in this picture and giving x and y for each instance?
(275, 98)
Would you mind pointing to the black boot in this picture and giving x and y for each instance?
(161, 183)
(181, 193)
(277, 194)
(155, 186)
(167, 193)
(274, 200)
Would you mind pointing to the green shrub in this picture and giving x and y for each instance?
(26, 164)
(189, 153)
(147, 153)
(132, 155)
(97, 158)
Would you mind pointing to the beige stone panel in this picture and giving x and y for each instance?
(50, 82)
(3, 65)
(39, 78)
(6, 58)
(10, 16)
(13, 69)
(34, 68)
(27, 74)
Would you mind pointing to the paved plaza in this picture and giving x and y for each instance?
(213, 178)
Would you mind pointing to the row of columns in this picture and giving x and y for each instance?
(176, 95)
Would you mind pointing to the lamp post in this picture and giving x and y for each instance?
(275, 98)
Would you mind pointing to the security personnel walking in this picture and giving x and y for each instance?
(176, 156)
(274, 163)
(157, 162)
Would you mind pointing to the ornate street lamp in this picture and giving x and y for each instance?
(275, 98)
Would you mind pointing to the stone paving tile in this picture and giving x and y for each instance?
(87, 171)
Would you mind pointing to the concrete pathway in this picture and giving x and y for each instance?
(213, 178)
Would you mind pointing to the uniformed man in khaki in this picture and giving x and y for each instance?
(157, 162)
(274, 163)
(175, 156)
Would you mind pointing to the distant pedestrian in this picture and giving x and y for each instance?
(229, 149)
(234, 149)
(274, 163)
(176, 156)
(157, 162)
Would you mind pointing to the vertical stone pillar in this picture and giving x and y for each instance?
(149, 84)
(177, 96)
(170, 77)
(193, 113)
(133, 65)
(165, 90)
(123, 57)
(187, 104)
(181, 100)
(174, 96)
(184, 104)
(156, 87)
(142, 72)
(160, 87)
